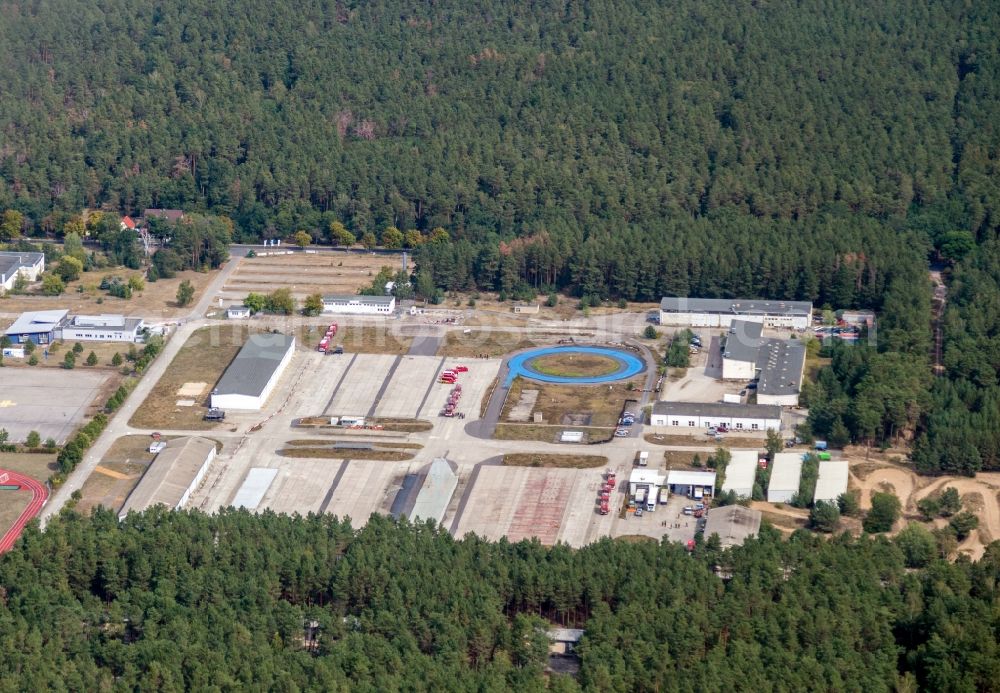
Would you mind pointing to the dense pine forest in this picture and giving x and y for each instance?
(179, 601)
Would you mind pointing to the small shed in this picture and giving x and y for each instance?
(563, 640)
(237, 312)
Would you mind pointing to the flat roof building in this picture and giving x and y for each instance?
(690, 483)
(102, 328)
(737, 417)
(832, 481)
(173, 476)
(720, 312)
(359, 305)
(254, 372)
(646, 476)
(776, 364)
(786, 471)
(733, 523)
(14, 263)
(741, 472)
(38, 326)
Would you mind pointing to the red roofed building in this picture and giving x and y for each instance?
(128, 223)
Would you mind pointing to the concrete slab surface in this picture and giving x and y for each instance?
(362, 382)
(365, 487)
(409, 383)
(50, 401)
(301, 485)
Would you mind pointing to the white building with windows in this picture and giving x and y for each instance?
(720, 312)
(238, 312)
(102, 328)
(359, 305)
(700, 415)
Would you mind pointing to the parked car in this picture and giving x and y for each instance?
(722, 428)
(638, 512)
(712, 430)
(215, 414)
(621, 433)
(689, 510)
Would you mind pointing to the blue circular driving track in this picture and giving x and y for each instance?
(628, 365)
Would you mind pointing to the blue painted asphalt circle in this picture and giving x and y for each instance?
(628, 365)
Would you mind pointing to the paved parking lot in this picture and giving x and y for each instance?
(368, 486)
(50, 401)
(364, 379)
(301, 486)
(408, 387)
(523, 502)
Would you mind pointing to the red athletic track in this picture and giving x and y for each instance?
(39, 495)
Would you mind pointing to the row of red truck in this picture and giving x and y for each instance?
(449, 376)
(605, 494)
(324, 343)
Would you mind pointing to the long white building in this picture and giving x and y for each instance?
(737, 417)
(720, 312)
(254, 372)
(102, 328)
(359, 305)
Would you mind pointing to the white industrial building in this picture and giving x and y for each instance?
(15, 263)
(173, 476)
(691, 483)
(359, 305)
(720, 312)
(832, 481)
(776, 364)
(254, 372)
(652, 479)
(737, 417)
(786, 471)
(38, 326)
(102, 328)
(741, 472)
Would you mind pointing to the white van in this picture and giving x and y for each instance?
(643, 458)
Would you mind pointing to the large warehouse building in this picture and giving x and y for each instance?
(785, 473)
(832, 481)
(254, 372)
(720, 312)
(738, 417)
(777, 364)
(741, 472)
(359, 305)
(173, 476)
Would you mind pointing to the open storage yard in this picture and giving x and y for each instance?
(50, 401)
(325, 272)
(190, 377)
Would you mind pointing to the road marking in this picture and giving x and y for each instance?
(112, 473)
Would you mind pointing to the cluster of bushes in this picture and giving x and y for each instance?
(679, 351)
(120, 395)
(73, 451)
(122, 288)
(142, 358)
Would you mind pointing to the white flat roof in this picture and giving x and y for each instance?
(832, 480)
(37, 321)
(741, 470)
(689, 478)
(786, 471)
(642, 475)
